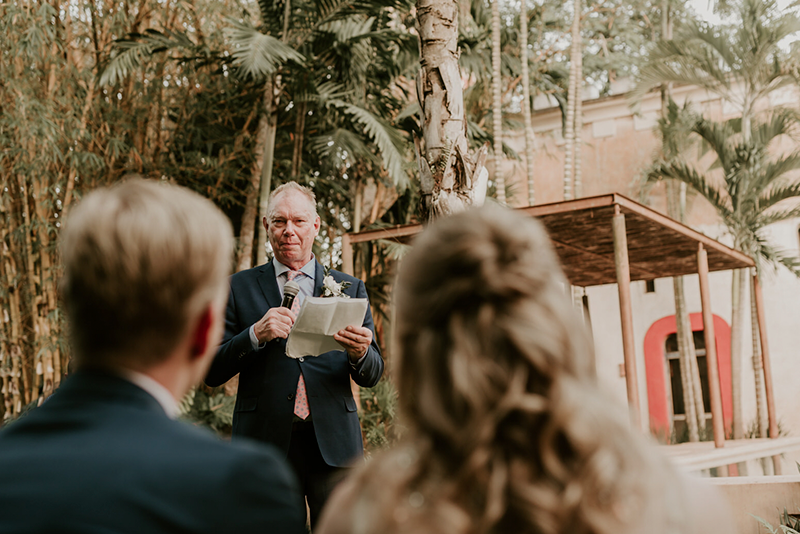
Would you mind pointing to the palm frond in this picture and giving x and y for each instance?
(340, 141)
(717, 136)
(387, 139)
(258, 55)
(678, 62)
(777, 216)
(775, 257)
(394, 250)
(778, 194)
(679, 170)
(130, 53)
(349, 28)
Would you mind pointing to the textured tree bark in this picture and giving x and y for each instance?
(299, 130)
(686, 360)
(451, 179)
(761, 405)
(268, 124)
(695, 414)
(738, 285)
(572, 97)
(530, 140)
(577, 145)
(497, 105)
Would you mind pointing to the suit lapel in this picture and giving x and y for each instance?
(319, 274)
(268, 285)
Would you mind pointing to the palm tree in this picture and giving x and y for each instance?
(720, 59)
(526, 99)
(450, 177)
(752, 193)
(571, 135)
(497, 104)
(743, 64)
(674, 128)
(675, 140)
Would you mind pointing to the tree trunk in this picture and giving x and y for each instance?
(690, 378)
(497, 105)
(572, 95)
(268, 124)
(530, 140)
(450, 178)
(247, 228)
(687, 353)
(577, 145)
(737, 321)
(299, 130)
(758, 374)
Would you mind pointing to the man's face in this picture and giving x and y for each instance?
(292, 227)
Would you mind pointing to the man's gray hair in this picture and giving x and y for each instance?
(291, 186)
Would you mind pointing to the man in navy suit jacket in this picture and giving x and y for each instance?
(321, 443)
(144, 289)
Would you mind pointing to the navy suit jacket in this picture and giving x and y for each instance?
(101, 456)
(268, 378)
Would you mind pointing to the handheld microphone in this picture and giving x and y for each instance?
(290, 291)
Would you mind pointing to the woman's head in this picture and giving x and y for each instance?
(484, 322)
(507, 431)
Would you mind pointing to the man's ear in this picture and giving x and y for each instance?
(202, 333)
(264, 222)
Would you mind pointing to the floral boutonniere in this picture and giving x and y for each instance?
(332, 288)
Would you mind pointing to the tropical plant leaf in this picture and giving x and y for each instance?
(130, 53)
(388, 139)
(256, 54)
(681, 171)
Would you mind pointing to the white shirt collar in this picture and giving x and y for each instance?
(155, 389)
(309, 269)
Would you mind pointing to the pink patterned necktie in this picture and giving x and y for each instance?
(300, 397)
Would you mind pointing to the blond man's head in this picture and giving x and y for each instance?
(142, 260)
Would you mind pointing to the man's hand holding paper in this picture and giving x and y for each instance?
(326, 324)
(355, 340)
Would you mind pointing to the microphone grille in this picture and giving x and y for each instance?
(291, 288)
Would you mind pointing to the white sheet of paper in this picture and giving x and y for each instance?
(318, 320)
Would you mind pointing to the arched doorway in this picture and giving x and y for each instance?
(657, 365)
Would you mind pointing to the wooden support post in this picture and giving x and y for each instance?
(765, 364)
(347, 268)
(347, 255)
(766, 368)
(711, 348)
(626, 314)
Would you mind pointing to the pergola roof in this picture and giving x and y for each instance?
(612, 239)
(581, 231)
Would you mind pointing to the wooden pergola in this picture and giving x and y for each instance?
(613, 239)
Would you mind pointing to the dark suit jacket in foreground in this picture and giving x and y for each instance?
(101, 456)
(268, 378)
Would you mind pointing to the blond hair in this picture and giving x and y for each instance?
(287, 187)
(141, 260)
(506, 429)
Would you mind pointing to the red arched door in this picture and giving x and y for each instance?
(658, 396)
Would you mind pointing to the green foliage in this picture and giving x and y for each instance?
(134, 51)
(378, 411)
(213, 410)
(789, 524)
(256, 54)
(754, 182)
(718, 57)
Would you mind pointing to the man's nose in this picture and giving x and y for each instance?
(289, 228)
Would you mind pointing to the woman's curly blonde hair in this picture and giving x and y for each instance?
(507, 432)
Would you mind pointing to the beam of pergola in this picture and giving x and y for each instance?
(612, 239)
